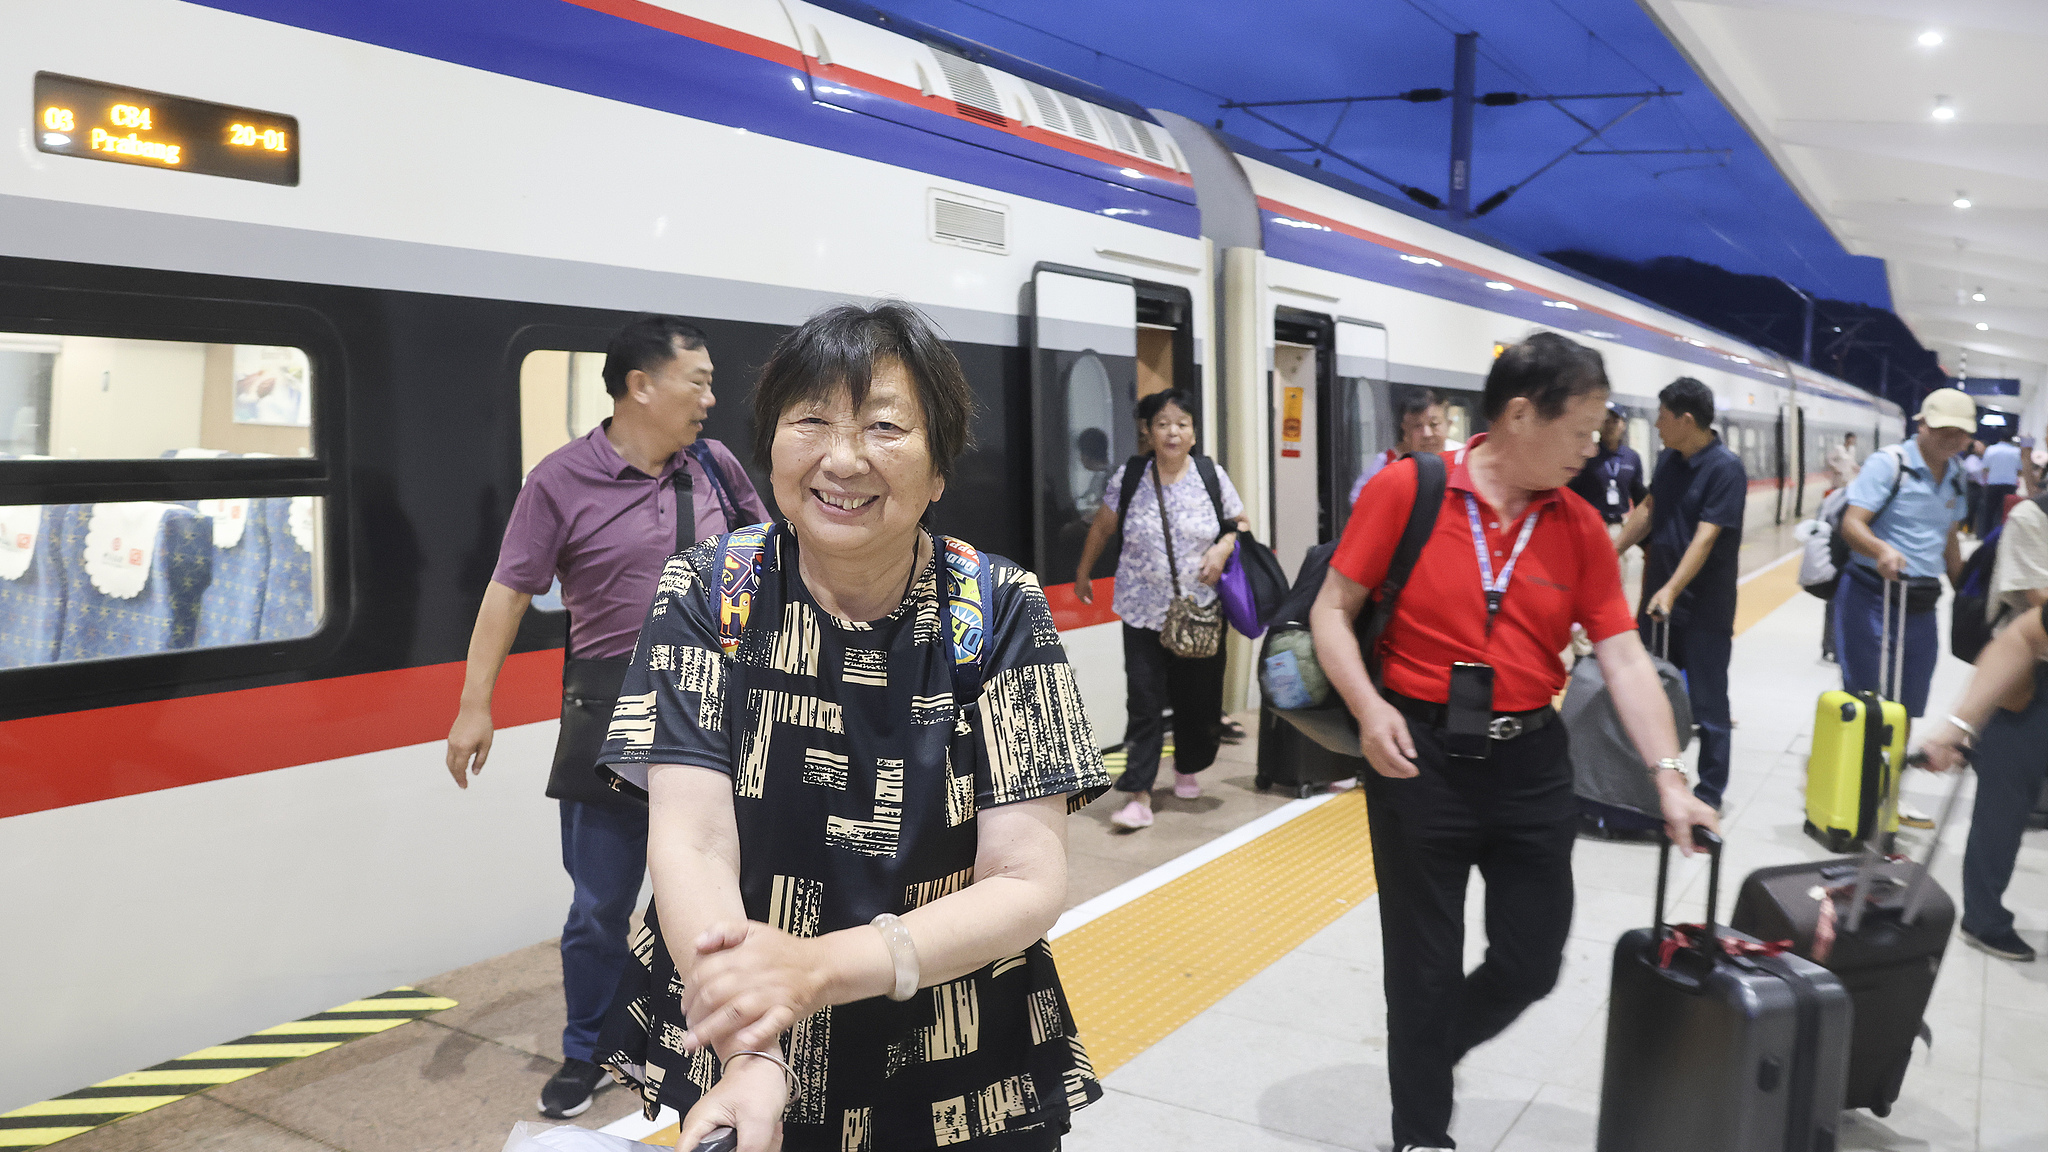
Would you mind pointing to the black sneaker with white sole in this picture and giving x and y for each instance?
(2005, 945)
(568, 1092)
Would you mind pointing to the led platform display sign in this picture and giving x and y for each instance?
(95, 121)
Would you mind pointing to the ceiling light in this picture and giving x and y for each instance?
(1930, 39)
(1961, 201)
(1941, 109)
(1983, 327)
(1978, 295)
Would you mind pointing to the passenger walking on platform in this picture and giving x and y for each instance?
(2007, 702)
(1469, 764)
(1692, 522)
(1905, 512)
(2001, 479)
(1842, 462)
(601, 514)
(1612, 481)
(861, 742)
(1422, 430)
(1148, 579)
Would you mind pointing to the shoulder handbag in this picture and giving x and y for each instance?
(1192, 631)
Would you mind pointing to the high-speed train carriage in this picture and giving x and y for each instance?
(292, 294)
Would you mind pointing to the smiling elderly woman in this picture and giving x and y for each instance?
(861, 743)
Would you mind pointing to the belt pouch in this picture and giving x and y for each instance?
(590, 688)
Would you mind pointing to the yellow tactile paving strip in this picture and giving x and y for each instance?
(68, 1115)
(1766, 594)
(1135, 974)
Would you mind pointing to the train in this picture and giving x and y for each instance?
(292, 294)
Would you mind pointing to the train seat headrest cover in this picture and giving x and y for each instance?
(120, 544)
(20, 527)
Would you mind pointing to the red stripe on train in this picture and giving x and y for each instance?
(72, 758)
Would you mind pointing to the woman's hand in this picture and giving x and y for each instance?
(748, 1099)
(750, 984)
(1214, 559)
(1084, 589)
(1384, 738)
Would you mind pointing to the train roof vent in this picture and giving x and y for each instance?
(1077, 115)
(1146, 144)
(1119, 129)
(1048, 108)
(972, 92)
(968, 222)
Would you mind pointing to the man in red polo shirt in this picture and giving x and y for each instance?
(1514, 561)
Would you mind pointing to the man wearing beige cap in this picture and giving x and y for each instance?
(1905, 507)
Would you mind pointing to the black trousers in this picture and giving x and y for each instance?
(1156, 679)
(1991, 509)
(1513, 817)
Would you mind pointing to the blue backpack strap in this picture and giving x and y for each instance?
(966, 616)
(741, 557)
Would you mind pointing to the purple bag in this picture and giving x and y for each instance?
(1252, 587)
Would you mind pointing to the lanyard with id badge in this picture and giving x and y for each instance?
(1469, 722)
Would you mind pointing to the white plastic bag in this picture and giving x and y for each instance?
(528, 1136)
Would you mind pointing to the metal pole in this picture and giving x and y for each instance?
(1464, 79)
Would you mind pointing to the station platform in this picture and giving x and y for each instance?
(1225, 968)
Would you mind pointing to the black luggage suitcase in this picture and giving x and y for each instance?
(1886, 956)
(1307, 749)
(1714, 1044)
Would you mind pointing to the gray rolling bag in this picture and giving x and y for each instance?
(1719, 1043)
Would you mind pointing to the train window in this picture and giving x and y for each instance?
(561, 397)
(105, 580)
(1091, 414)
(71, 397)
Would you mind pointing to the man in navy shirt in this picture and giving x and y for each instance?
(1693, 521)
(1612, 481)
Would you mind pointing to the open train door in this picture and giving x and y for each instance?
(1304, 368)
(1084, 386)
(1359, 413)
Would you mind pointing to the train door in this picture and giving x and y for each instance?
(1304, 362)
(1359, 412)
(1790, 461)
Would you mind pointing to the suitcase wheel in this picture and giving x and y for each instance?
(1262, 783)
(1304, 791)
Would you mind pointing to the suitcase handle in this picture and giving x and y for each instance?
(1702, 836)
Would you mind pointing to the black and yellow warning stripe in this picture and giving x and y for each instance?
(1117, 757)
(74, 1112)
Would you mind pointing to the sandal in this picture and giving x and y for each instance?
(1232, 731)
(1132, 817)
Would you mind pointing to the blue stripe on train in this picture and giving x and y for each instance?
(568, 46)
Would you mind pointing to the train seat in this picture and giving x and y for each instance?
(289, 608)
(31, 586)
(231, 610)
(134, 577)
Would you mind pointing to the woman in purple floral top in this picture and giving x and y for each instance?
(1202, 543)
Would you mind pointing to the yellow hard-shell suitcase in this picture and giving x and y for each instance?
(1859, 748)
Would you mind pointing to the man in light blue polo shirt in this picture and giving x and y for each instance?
(2001, 479)
(1902, 529)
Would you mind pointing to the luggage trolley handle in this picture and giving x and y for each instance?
(1706, 838)
(1891, 650)
(1660, 635)
(1916, 896)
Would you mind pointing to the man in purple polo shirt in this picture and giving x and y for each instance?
(602, 515)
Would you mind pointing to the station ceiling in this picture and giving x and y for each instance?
(1917, 130)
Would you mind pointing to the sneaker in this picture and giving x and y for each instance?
(1912, 817)
(1132, 817)
(1344, 785)
(2005, 945)
(568, 1092)
(1187, 786)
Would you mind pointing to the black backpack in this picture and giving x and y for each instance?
(1968, 630)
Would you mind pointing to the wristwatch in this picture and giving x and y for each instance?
(1670, 764)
